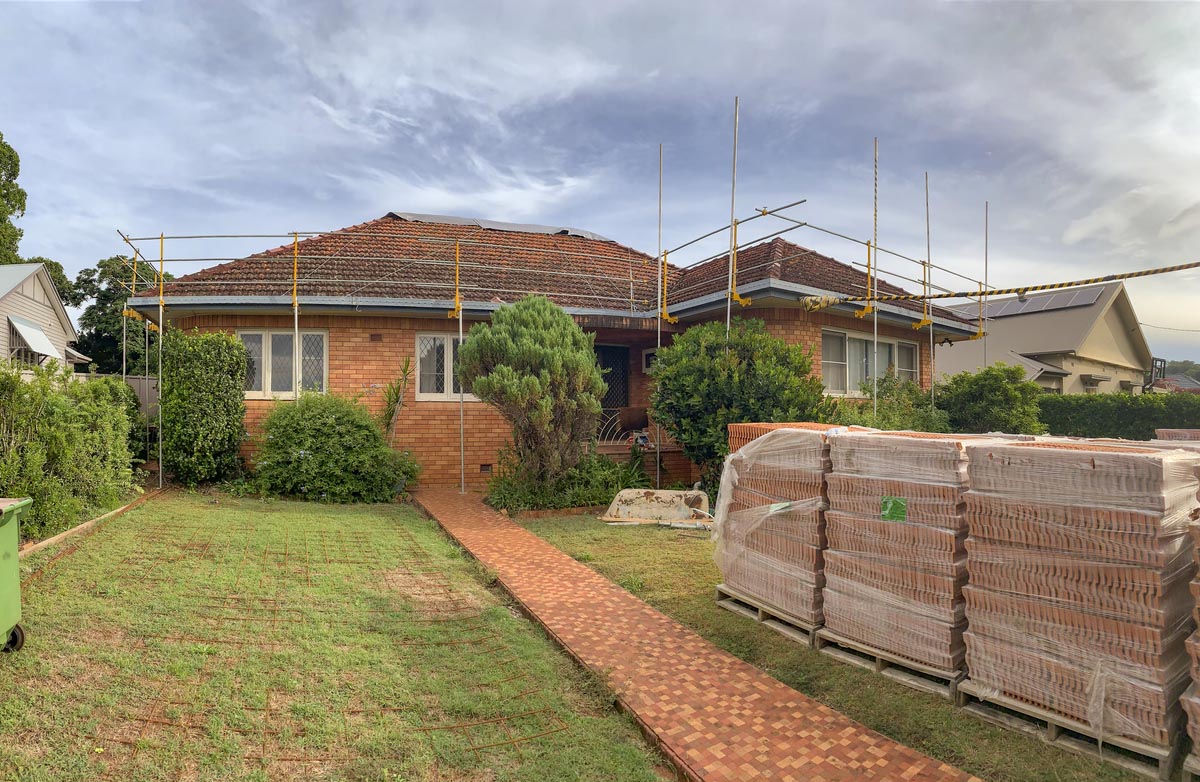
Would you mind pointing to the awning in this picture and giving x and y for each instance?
(75, 357)
(34, 337)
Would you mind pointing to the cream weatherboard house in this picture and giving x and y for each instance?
(35, 327)
(1077, 341)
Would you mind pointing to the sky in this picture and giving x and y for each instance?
(1077, 124)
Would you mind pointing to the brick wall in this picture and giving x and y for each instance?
(360, 366)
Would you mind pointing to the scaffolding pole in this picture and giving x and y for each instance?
(875, 310)
(162, 332)
(983, 299)
(296, 374)
(462, 428)
(929, 283)
(732, 223)
(662, 308)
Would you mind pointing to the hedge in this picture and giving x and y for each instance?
(203, 405)
(65, 443)
(1118, 415)
(328, 449)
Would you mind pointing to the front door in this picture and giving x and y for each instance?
(614, 362)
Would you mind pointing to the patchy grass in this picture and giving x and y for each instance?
(673, 570)
(211, 638)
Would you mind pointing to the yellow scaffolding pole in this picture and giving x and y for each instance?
(457, 311)
(733, 291)
(867, 310)
(664, 314)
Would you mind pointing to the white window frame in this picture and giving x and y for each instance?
(266, 392)
(848, 334)
(448, 339)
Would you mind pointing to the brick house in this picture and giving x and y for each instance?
(379, 292)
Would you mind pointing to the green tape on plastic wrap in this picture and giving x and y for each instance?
(893, 509)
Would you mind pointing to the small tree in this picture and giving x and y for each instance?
(704, 382)
(538, 368)
(203, 407)
(994, 399)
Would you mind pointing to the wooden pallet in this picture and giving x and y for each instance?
(766, 614)
(908, 672)
(1071, 735)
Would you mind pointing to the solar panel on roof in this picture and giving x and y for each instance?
(1045, 302)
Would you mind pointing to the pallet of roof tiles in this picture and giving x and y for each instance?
(1077, 737)
(895, 565)
(1177, 434)
(1078, 603)
(770, 524)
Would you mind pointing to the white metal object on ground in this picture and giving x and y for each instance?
(650, 506)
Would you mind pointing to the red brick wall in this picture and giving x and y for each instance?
(360, 367)
(798, 327)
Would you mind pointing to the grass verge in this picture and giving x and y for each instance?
(674, 571)
(210, 638)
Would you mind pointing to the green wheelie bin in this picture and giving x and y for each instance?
(12, 637)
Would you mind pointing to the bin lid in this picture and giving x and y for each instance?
(9, 506)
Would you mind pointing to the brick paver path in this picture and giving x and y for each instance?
(719, 719)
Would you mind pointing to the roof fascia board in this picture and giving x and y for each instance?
(702, 303)
(354, 303)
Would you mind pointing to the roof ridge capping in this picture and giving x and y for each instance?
(496, 225)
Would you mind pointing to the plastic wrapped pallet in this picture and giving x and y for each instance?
(1191, 698)
(770, 522)
(895, 565)
(1177, 434)
(1080, 561)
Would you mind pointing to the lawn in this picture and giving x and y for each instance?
(674, 571)
(203, 637)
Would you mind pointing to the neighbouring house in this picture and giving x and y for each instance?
(375, 294)
(1077, 341)
(1177, 384)
(36, 326)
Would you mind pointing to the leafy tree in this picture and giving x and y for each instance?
(12, 205)
(538, 368)
(994, 399)
(106, 286)
(902, 405)
(203, 404)
(704, 382)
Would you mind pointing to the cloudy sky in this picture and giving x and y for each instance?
(1078, 123)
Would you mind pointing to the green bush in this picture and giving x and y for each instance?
(203, 405)
(595, 480)
(994, 399)
(1118, 415)
(329, 449)
(704, 382)
(538, 368)
(902, 405)
(65, 443)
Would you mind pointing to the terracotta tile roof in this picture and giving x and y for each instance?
(781, 260)
(393, 257)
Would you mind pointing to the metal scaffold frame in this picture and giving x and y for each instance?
(599, 290)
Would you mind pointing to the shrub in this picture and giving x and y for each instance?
(902, 405)
(704, 382)
(595, 480)
(994, 399)
(203, 407)
(329, 449)
(1118, 415)
(65, 443)
(537, 367)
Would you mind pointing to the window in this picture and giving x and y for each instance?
(271, 370)
(437, 358)
(848, 362)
